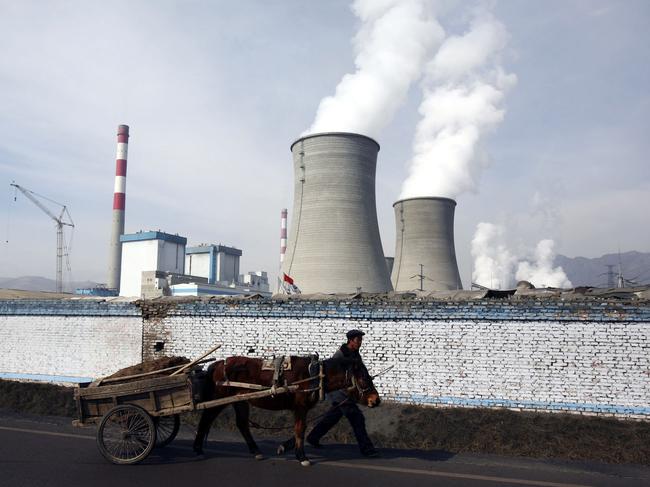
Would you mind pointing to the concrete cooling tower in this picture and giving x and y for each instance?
(334, 244)
(425, 236)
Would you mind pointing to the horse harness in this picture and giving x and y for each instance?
(316, 377)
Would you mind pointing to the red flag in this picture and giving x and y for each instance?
(288, 279)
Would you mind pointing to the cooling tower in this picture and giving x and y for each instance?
(425, 237)
(334, 244)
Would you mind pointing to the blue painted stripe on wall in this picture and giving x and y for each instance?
(67, 307)
(349, 310)
(45, 378)
(507, 403)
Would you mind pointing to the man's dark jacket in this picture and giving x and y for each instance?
(343, 352)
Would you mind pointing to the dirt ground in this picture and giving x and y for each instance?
(393, 425)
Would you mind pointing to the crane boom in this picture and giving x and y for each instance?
(31, 196)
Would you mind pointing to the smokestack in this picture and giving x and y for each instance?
(334, 245)
(425, 237)
(119, 200)
(283, 234)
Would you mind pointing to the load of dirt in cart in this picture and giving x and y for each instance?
(163, 365)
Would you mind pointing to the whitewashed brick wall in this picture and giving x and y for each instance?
(589, 356)
(68, 346)
(587, 367)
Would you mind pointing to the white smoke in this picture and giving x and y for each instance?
(394, 41)
(541, 272)
(497, 266)
(494, 264)
(463, 88)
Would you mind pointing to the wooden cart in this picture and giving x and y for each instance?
(135, 417)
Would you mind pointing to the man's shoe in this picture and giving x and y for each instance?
(371, 453)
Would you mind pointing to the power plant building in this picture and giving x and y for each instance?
(217, 263)
(149, 251)
(334, 244)
(424, 249)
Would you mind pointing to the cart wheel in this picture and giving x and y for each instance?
(126, 434)
(166, 429)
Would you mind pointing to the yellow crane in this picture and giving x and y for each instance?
(60, 223)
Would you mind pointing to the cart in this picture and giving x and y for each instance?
(137, 416)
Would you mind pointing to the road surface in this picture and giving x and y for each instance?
(45, 451)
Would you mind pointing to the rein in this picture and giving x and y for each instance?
(349, 377)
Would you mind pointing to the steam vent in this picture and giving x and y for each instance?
(425, 235)
(334, 244)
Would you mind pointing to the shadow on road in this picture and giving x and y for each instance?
(181, 452)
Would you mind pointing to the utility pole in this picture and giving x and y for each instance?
(620, 281)
(421, 276)
(31, 196)
(610, 275)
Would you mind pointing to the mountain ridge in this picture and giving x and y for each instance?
(581, 271)
(585, 271)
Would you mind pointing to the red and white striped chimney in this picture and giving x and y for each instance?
(119, 202)
(283, 235)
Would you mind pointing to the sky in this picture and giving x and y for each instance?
(215, 92)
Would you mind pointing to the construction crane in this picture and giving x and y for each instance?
(60, 222)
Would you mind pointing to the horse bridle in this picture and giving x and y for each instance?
(355, 384)
(349, 379)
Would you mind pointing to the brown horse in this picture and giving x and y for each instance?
(337, 374)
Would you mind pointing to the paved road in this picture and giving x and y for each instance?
(37, 452)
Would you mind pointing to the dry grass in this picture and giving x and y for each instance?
(36, 398)
(392, 425)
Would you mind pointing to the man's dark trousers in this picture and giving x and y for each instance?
(354, 415)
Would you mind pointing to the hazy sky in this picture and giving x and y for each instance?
(216, 91)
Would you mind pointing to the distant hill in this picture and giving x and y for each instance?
(582, 271)
(38, 283)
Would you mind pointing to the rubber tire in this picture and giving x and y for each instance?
(146, 421)
(163, 439)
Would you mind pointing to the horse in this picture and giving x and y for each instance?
(313, 378)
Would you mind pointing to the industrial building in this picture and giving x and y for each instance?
(149, 251)
(260, 287)
(425, 256)
(217, 263)
(158, 264)
(334, 244)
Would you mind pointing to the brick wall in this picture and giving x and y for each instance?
(587, 356)
(67, 340)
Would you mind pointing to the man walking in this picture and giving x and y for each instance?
(342, 407)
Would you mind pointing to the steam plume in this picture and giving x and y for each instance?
(463, 87)
(498, 267)
(493, 262)
(541, 271)
(394, 40)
